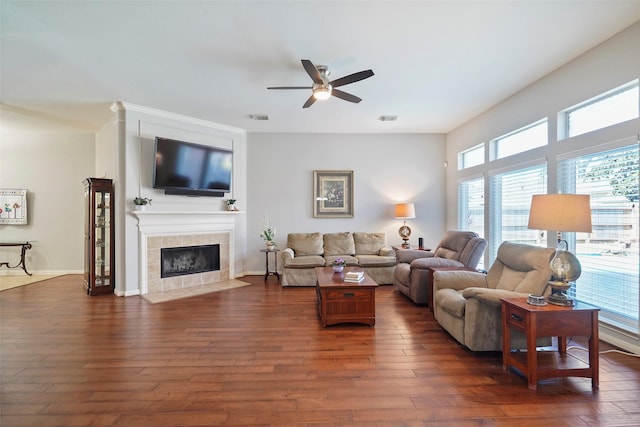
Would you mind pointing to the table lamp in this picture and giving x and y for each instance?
(561, 212)
(405, 211)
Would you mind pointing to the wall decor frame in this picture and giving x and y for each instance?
(13, 206)
(332, 194)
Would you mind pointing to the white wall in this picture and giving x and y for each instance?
(388, 168)
(606, 66)
(51, 160)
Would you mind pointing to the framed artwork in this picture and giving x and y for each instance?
(13, 206)
(332, 194)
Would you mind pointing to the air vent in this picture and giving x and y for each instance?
(259, 116)
(388, 118)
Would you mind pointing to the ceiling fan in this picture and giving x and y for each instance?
(322, 88)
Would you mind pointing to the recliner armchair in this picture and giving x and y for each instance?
(456, 249)
(467, 304)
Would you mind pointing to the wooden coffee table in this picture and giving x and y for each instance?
(344, 302)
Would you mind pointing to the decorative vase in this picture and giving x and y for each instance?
(338, 268)
(139, 207)
(231, 207)
(270, 246)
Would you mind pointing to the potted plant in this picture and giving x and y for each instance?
(140, 203)
(338, 265)
(268, 233)
(231, 205)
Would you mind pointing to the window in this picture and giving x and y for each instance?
(532, 136)
(471, 157)
(510, 204)
(471, 211)
(613, 107)
(609, 255)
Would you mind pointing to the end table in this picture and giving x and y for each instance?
(267, 272)
(550, 321)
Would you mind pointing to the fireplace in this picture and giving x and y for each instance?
(160, 230)
(184, 260)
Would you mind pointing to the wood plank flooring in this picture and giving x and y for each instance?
(257, 356)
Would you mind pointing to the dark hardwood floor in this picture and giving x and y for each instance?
(257, 356)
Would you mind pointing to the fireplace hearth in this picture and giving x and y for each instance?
(179, 261)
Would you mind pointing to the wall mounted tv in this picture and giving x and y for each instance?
(191, 169)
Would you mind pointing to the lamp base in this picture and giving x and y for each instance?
(560, 299)
(558, 295)
(405, 233)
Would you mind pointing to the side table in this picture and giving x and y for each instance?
(267, 272)
(415, 248)
(25, 247)
(550, 321)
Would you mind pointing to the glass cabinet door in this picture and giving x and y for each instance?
(99, 236)
(103, 242)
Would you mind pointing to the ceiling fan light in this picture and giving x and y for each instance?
(322, 93)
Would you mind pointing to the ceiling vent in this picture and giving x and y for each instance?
(388, 118)
(259, 116)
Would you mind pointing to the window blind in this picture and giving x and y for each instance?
(609, 255)
(510, 194)
(471, 207)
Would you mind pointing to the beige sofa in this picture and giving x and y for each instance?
(305, 251)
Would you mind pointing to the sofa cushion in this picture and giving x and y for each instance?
(376, 261)
(339, 244)
(305, 261)
(446, 253)
(305, 243)
(350, 260)
(369, 243)
(510, 279)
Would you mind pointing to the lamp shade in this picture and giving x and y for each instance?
(560, 212)
(405, 211)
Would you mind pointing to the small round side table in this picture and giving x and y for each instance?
(267, 272)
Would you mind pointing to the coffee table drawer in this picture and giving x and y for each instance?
(347, 294)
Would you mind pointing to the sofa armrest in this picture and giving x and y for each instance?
(458, 280)
(287, 254)
(491, 296)
(407, 256)
(426, 263)
(385, 251)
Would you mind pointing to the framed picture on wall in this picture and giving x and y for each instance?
(13, 206)
(332, 194)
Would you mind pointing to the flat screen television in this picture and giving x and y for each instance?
(191, 169)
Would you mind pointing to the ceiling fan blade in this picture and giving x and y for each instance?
(312, 71)
(346, 96)
(352, 78)
(290, 87)
(309, 102)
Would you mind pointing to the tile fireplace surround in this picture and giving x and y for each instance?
(157, 230)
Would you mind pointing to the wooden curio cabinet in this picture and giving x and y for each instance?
(99, 236)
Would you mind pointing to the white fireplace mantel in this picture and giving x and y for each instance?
(175, 223)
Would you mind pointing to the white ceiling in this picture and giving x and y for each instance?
(436, 63)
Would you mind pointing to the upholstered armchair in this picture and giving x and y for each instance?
(467, 304)
(456, 249)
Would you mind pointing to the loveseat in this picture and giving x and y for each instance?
(305, 251)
